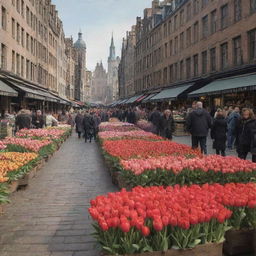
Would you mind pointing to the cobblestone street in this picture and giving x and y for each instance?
(50, 217)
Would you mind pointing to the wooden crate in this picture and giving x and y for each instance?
(238, 242)
(200, 250)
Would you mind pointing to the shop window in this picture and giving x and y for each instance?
(224, 16)
(196, 32)
(224, 55)
(3, 56)
(213, 59)
(213, 21)
(252, 44)
(237, 10)
(204, 62)
(205, 26)
(4, 18)
(196, 69)
(188, 67)
(237, 51)
(253, 6)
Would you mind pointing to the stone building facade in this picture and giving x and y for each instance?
(100, 90)
(88, 86)
(179, 41)
(126, 66)
(113, 63)
(33, 48)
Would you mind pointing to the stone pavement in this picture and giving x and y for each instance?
(50, 218)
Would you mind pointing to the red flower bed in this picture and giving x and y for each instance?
(127, 149)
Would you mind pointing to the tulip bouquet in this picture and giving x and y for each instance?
(128, 149)
(158, 218)
(14, 165)
(171, 170)
(117, 135)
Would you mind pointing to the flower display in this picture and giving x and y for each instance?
(128, 135)
(146, 126)
(27, 143)
(127, 149)
(12, 161)
(176, 164)
(117, 126)
(163, 218)
(2, 145)
(41, 133)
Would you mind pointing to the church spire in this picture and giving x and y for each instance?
(112, 52)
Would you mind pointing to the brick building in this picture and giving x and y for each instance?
(187, 42)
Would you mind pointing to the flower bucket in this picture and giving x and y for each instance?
(238, 242)
(200, 250)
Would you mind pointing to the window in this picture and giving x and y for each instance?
(204, 62)
(252, 44)
(165, 74)
(17, 64)
(165, 30)
(213, 21)
(22, 37)
(27, 15)
(13, 61)
(4, 18)
(175, 22)
(237, 10)
(237, 51)
(189, 36)
(170, 27)
(176, 45)
(171, 50)
(253, 6)
(181, 70)
(188, 11)
(18, 33)
(224, 55)
(3, 57)
(166, 50)
(182, 41)
(204, 3)
(196, 32)
(196, 6)
(182, 18)
(205, 26)
(171, 78)
(224, 16)
(22, 8)
(27, 41)
(213, 59)
(27, 69)
(188, 67)
(13, 28)
(175, 71)
(22, 66)
(195, 59)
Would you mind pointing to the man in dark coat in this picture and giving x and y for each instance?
(79, 124)
(198, 123)
(245, 132)
(23, 120)
(155, 119)
(131, 116)
(219, 133)
(167, 124)
(88, 124)
(38, 120)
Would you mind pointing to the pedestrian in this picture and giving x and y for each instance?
(198, 123)
(38, 120)
(167, 124)
(79, 124)
(245, 132)
(88, 125)
(155, 119)
(23, 120)
(219, 132)
(232, 120)
(96, 122)
(50, 120)
(131, 116)
(70, 121)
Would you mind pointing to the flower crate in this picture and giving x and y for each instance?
(238, 242)
(200, 250)
(13, 186)
(25, 180)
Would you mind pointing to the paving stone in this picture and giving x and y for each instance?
(50, 217)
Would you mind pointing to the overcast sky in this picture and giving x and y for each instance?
(97, 19)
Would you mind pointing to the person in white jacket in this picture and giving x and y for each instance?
(50, 120)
